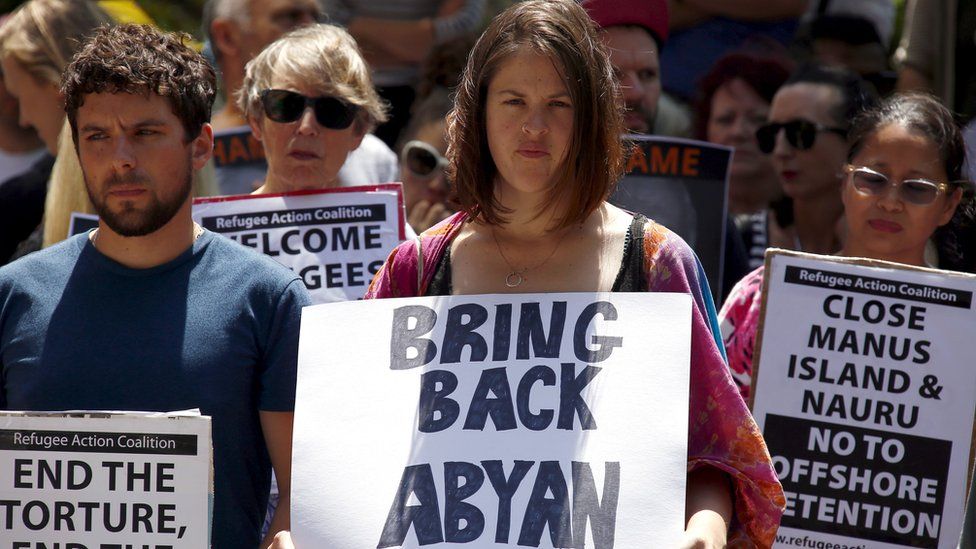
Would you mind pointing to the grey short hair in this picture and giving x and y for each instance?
(237, 10)
(323, 56)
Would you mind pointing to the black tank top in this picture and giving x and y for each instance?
(630, 277)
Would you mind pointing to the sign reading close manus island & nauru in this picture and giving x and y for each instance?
(334, 239)
(530, 420)
(864, 390)
(105, 480)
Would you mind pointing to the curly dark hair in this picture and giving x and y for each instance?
(561, 30)
(140, 59)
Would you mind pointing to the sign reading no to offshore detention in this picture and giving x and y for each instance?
(334, 239)
(74, 480)
(530, 420)
(864, 390)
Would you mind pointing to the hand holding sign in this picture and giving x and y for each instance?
(282, 540)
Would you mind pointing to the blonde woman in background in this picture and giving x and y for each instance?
(310, 101)
(36, 43)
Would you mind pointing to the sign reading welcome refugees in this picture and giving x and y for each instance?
(334, 239)
(104, 480)
(529, 420)
(864, 390)
(681, 184)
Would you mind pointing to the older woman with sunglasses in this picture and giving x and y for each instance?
(900, 190)
(309, 99)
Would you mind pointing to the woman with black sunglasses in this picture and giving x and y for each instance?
(900, 191)
(310, 101)
(805, 138)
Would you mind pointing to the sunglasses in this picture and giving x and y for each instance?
(287, 106)
(800, 134)
(422, 159)
(920, 192)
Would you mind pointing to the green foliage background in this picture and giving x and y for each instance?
(181, 15)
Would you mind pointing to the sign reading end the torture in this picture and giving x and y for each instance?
(96, 480)
(531, 420)
(334, 239)
(864, 390)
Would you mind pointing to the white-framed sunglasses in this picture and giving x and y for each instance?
(918, 191)
(422, 159)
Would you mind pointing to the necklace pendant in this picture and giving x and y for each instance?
(514, 279)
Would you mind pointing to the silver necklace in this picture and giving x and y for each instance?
(516, 277)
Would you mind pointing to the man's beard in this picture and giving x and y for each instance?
(132, 222)
(647, 118)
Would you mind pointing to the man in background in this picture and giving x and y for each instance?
(634, 31)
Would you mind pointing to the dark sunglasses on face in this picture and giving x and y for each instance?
(920, 192)
(287, 106)
(800, 134)
(421, 159)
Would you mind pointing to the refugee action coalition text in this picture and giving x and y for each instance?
(852, 394)
(335, 239)
(251, 231)
(68, 488)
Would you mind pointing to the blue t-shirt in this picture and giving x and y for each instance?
(216, 329)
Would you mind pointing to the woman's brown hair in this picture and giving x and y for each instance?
(561, 30)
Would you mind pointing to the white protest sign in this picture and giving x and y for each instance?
(531, 420)
(334, 239)
(104, 480)
(864, 391)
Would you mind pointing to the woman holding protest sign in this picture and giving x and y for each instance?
(809, 118)
(310, 101)
(903, 202)
(534, 150)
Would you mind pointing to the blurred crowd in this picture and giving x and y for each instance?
(850, 122)
(716, 71)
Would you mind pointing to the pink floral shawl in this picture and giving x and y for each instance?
(739, 319)
(722, 433)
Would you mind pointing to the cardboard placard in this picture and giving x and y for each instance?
(864, 390)
(334, 239)
(99, 480)
(683, 185)
(81, 223)
(531, 420)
